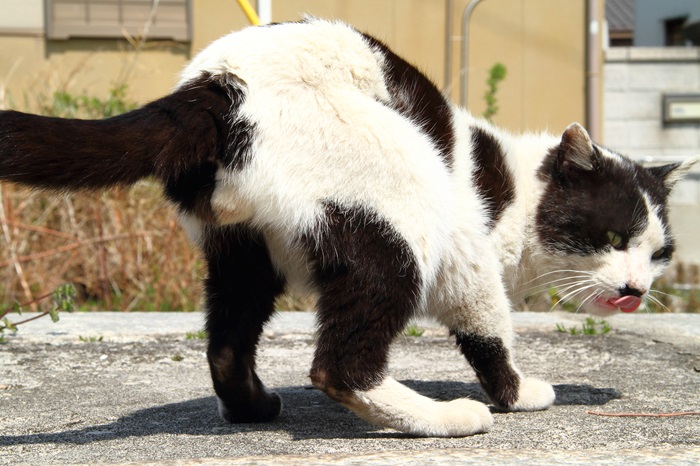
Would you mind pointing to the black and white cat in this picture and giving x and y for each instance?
(309, 155)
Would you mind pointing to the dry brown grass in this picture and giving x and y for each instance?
(122, 248)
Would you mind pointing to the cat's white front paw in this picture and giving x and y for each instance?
(456, 418)
(393, 405)
(533, 395)
(463, 417)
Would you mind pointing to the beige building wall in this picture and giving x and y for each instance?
(32, 68)
(541, 43)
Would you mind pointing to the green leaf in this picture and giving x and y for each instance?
(7, 325)
(64, 298)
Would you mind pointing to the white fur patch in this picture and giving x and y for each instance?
(533, 395)
(222, 409)
(193, 226)
(396, 406)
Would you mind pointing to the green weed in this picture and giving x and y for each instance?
(590, 327)
(91, 339)
(413, 330)
(63, 301)
(64, 104)
(497, 73)
(198, 335)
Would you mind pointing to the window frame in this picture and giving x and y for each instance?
(116, 29)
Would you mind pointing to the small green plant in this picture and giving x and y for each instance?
(63, 300)
(90, 339)
(497, 73)
(177, 357)
(590, 327)
(413, 331)
(67, 105)
(198, 335)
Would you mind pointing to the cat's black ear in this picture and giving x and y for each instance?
(672, 173)
(576, 147)
(576, 152)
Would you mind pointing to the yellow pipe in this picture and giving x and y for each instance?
(249, 12)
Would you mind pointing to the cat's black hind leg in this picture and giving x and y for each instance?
(369, 286)
(240, 288)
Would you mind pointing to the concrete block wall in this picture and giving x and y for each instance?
(635, 80)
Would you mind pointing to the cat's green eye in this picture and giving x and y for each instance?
(659, 253)
(615, 239)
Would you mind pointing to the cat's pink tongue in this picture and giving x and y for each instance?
(626, 303)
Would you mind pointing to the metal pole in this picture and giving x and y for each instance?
(264, 9)
(464, 62)
(448, 46)
(593, 70)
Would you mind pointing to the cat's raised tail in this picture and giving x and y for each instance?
(169, 138)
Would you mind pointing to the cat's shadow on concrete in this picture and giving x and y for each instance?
(307, 414)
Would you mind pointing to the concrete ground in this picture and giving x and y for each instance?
(142, 395)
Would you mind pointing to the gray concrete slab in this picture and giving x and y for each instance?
(143, 395)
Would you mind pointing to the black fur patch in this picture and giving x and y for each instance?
(492, 177)
(218, 137)
(490, 360)
(368, 284)
(58, 153)
(240, 287)
(181, 139)
(579, 207)
(414, 96)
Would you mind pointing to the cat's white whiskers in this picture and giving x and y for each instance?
(657, 302)
(660, 292)
(552, 284)
(570, 277)
(590, 297)
(578, 288)
(574, 284)
(559, 271)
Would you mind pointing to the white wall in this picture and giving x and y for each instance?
(18, 15)
(635, 80)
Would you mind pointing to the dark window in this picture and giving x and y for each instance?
(673, 29)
